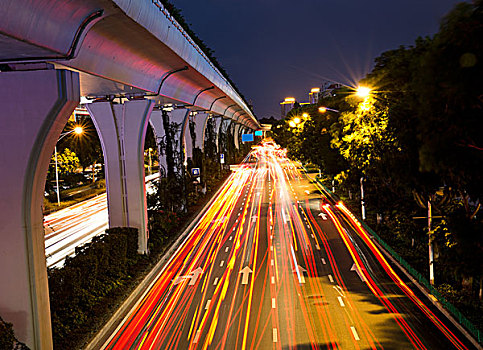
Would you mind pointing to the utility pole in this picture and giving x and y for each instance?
(431, 250)
(363, 208)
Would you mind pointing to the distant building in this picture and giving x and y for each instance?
(287, 105)
(328, 89)
(314, 96)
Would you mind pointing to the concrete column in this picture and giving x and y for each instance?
(156, 121)
(187, 137)
(180, 117)
(236, 135)
(218, 122)
(35, 106)
(200, 119)
(122, 131)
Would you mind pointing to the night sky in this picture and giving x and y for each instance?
(277, 48)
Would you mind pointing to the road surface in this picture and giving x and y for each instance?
(272, 265)
(71, 227)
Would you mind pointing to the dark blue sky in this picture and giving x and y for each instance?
(277, 48)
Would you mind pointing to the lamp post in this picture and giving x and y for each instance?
(150, 162)
(78, 130)
(363, 207)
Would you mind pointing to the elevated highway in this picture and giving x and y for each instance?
(135, 65)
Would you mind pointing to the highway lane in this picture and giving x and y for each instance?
(272, 266)
(71, 227)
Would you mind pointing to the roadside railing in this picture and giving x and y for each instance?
(458, 316)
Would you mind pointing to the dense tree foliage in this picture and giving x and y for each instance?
(415, 139)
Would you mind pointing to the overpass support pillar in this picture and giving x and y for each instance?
(236, 135)
(218, 122)
(35, 109)
(156, 122)
(200, 126)
(122, 130)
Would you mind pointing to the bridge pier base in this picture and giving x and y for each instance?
(35, 109)
(122, 131)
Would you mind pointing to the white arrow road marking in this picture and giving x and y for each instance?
(323, 215)
(358, 271)
(301, 269)
(193, 276)
(178, 280)
(254, 218)
(307, 191)
(197, 336)
(245, 272)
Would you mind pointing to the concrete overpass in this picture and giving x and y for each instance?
(132, 60)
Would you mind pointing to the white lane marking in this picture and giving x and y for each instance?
(222, 263)
(354, 333)
(330, 278)
(275, 335)
(231, 237)
(271, 248)
(208, 302)
(318, 247)
(215, 282)
(339, 290)
(273, 280)
(312, 235)
(272, 262)
(197, 336)
(323, 261)
(273, 303)
(341, 302)
(227, 249)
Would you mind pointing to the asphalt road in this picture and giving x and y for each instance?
(273, 265)
(76, 225)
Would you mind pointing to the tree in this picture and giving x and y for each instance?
(67, 162)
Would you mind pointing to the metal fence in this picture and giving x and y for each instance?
(459, 317)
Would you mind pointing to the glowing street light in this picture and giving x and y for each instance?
(324, 109)
(77, 130)
(292, 124)
(305, 116)
(296, 120)
(363, 91)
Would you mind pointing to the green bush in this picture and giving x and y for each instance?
(80, 291)
(7, 337)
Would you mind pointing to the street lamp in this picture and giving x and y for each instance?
(363, 91)
(150, 162)
(323, 109)
(78, 130)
